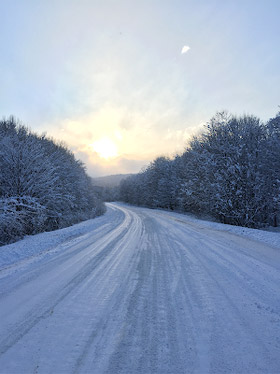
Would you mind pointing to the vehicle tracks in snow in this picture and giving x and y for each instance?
(150, 295)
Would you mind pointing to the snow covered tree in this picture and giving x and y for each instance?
(230, 171)
(42, 186)
(237, 184)
(271, 170)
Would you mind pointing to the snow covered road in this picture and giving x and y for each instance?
(146, 292)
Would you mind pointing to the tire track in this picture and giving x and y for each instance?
(44, 310)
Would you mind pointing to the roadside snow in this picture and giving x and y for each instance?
(38, 245)
(45, 243)
(269, 236)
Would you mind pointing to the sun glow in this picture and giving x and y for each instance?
(105, 148)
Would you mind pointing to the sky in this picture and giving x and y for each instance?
(122, 82)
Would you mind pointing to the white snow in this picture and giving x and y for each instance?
(270, 236)
(141, 291)
(38, 245)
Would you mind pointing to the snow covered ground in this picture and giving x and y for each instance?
(141, 291)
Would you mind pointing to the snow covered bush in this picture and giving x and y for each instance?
(20, 216)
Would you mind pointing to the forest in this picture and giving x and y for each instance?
(42, 186)
(230, 171)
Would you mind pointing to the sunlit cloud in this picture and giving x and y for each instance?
(116, 140)
(118, 135)
(185, 49)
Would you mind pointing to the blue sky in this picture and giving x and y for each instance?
(111, 73)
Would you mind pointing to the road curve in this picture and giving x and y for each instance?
(144, 293)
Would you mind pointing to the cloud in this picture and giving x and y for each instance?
(97, 166)
(185, 49)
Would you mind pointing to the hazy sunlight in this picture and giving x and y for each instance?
(105, 148)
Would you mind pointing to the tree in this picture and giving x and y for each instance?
(42, 186)
(272, 169)
(230, 171)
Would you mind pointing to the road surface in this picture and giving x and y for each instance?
(146, 292)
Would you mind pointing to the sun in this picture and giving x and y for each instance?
(105, 148)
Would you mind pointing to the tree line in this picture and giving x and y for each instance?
(230, 171)
(42, 186)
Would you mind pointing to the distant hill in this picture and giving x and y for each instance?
(110, 180)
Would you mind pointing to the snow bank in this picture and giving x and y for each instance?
(39, 244)
(44, 243)
(268, 236)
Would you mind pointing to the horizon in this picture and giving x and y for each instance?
(123, 83)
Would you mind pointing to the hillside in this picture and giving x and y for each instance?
(110, 180)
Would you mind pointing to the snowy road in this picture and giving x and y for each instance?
(145, 292)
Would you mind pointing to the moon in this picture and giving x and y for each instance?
(185, 49)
